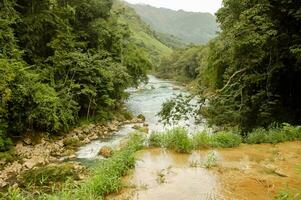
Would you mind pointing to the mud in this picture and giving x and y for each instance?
(249, 172)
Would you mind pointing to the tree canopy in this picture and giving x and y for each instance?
(61, 60)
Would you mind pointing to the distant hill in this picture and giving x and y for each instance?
(153, 43)
(190, 27)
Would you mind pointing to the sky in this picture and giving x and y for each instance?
(210, 6)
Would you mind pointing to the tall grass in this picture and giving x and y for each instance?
(274, 135)
(106, 177)
(179, 140)
(176, 139)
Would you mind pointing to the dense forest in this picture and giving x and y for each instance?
(251, 72)
(61, 61)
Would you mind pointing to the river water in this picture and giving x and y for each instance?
(179, 181)
(147, 100)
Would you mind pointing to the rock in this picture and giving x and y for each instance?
(136, 127)
(141, 117)
(113, 127)
(86, 141)
(91, 126)
(3, 183)
(93, 137)
(78, 131)
(27, 141)
(86, 130)
(106, 152)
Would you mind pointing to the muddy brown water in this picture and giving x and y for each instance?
(161, 174)
(249, 172)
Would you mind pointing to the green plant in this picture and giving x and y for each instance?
(284, 133)
(177, 139)
(210, 160)
(44, 176)
(226, 140)
(202, 140)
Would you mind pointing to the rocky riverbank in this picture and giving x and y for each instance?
(29, 153)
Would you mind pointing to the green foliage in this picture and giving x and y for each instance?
(202, 140)
(142, 35)
(226, 140)
(210, 160)
(182, 64)
(252, 71)
(179, 140)
(274, 135)
(62, 61)
(219, 140)
(176, 139)
(106, 176)
(44, 176)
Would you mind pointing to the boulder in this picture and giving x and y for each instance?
(136, 127)
(106, 152)
(27, 141)
(141, 117)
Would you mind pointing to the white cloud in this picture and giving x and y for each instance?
(189, 5)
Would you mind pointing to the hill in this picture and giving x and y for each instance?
(190, 27)
(142, 35)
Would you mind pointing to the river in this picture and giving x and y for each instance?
(179, 180)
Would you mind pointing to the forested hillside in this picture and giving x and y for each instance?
(61, 61)
(251, 72)
(142, 35)
(190, 27)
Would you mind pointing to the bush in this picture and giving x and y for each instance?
(176, 139)
(202, 140)
(226, 140)
(274, 135)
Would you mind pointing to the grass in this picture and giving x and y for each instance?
(106, 177)
(176, 139)
(210, 160)
(274, 135)
(179, 140)
(47, 175)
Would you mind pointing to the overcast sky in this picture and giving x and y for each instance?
(189, 5)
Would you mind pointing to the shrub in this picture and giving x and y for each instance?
(274, 135)
(226, 140)
(179, 140)
(176, 139)
(202, 140)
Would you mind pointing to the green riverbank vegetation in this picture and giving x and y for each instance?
(250, 73)
(181, 141)
(61, 61)
(105, 177)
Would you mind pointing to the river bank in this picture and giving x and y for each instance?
(36, 151)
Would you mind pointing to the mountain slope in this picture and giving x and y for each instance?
(190, 27)
(142, 34)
